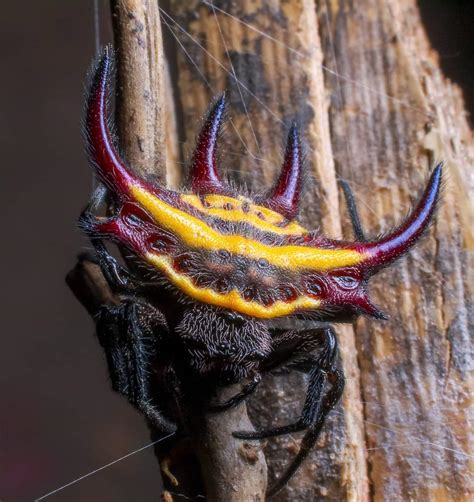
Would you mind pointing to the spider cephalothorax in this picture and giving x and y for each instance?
(219, 347)
(236, 261)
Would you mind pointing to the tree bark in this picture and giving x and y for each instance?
(140, 104)
(276, 87)
(414, 368)
(380, 117)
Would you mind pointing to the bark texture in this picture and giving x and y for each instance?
(232, 470)
(228, 469)
(275, 87)
(140, 106)
(366, 90)
(414, 368)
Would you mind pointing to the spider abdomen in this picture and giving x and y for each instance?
(218, 247)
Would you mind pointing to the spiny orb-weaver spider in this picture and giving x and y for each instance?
(221, 265)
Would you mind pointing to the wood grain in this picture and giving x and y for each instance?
(140, 105)
(145, 111)
(414, 368)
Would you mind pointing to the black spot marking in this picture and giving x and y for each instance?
(249, 294)
(163, 243)
(262, 263)
(314, 288)
(222, 286)
(267, 299)
(223, 253)
(287, 293)
(201, 281)
(296, 239)
(133, 219)
(346, 281)
(160, 246)
(182, 263)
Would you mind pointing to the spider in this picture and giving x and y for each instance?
(206, 271)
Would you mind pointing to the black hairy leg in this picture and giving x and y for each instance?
(130, 334)
(336, 379)
(246, 391)
(118, 277)
(298, 347)
(325, 387)
(321, 364)
(291, 349)
(353, 212)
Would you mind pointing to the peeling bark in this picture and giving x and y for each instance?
(414, 368)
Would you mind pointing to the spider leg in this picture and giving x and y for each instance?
(318, 402)
(239, 397)
(317, 382)
(98, 198)
(353, 213)
(292, 348)
(286, 347)
(129, 333)
(336, 377)
(118, 277)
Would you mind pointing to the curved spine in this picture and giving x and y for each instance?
(204, 175)
(286, 194)
(384, 251)
(100, 144)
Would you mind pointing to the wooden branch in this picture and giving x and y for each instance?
(381, 116)
(89, 286)
(140, 108)
(234, 471)
(391, 115)
(414, 368)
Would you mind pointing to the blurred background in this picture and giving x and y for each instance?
(59, 419)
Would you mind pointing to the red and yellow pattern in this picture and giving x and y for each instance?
(224, 249)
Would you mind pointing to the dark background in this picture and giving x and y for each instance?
(59, 419)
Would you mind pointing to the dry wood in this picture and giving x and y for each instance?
(414, 368)
(234, 471)
(140, 108)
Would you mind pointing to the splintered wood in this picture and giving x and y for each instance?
(365, 88)
(394, 118)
